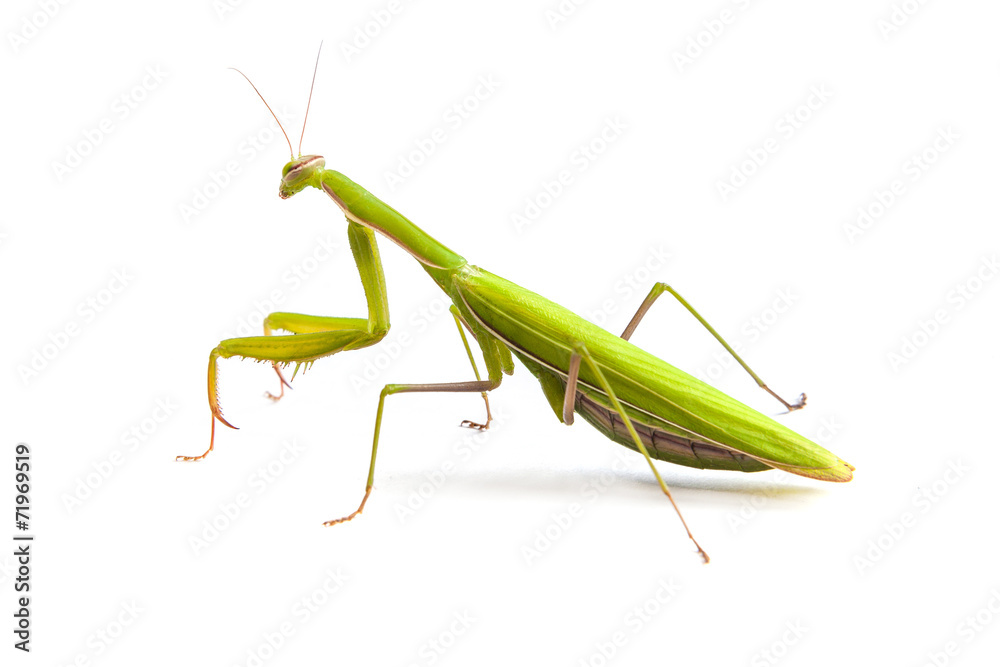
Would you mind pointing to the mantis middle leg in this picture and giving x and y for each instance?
(492, 357)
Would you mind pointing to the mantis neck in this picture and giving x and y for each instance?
(366, 209)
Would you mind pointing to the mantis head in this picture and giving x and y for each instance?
(299, 173)
(305, 169)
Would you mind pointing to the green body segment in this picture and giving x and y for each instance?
(654, 393)
(364, 208)
(679, 418)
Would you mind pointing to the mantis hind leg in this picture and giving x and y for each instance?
(654, 294)
(581, 352)
(389, 389)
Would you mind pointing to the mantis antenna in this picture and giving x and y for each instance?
(272, 111)
(315, 69)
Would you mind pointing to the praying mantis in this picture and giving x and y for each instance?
(629, 395)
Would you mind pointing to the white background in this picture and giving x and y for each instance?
(884, 570)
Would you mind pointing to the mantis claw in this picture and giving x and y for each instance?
(213, 403)
(223, 420)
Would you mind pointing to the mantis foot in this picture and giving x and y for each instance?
(799, 404)
(476, 426)
(211, 442)
(284, 383)
(368, 491)
(791, 407)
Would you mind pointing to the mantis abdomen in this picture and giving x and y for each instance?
(663, 444)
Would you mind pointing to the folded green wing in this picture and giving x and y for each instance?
(544, 331)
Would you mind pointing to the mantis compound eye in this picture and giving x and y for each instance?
(297, 174)
(301, 167)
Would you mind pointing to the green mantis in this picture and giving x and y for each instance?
(626, 393)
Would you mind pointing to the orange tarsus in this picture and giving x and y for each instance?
(211, 442)
(368, 491)
(282, 385)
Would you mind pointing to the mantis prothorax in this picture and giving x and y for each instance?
(629, 395)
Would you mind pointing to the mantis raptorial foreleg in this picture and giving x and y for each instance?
(582, 352)
(366, 257)
(308, 324)
(654, 294)
(491, 356)
(315, 337)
